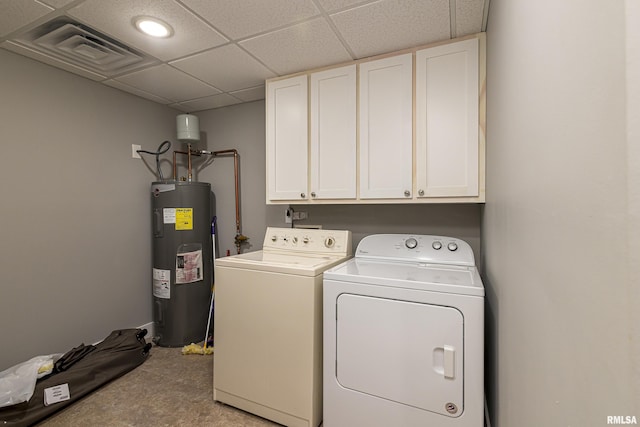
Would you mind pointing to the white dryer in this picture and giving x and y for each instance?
(404, 335)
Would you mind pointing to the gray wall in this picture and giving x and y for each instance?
(75, 238)
(560, 226)
(632, 12)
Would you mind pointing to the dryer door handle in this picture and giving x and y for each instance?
(449, 362)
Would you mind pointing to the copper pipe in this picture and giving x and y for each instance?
(237, 185)
(236, 176)
(236, 182)
(175, 166)
(189, 175)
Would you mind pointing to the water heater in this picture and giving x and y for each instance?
(182, 261)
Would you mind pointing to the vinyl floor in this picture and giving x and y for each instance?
(168, 389)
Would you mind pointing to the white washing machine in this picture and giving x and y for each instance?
(268, 324)
(404, 335)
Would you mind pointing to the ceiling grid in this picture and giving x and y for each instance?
(222, 51)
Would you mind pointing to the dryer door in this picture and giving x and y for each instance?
(405, 352)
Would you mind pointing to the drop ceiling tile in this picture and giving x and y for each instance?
(390, 25)
(300, 47)
(16, 13)
(135, 91)
(167, 82)
(180, 107)
(115, 17)
(227, 68)
(56, 3)
(209, 102)
(239, 19)
(469, 16)
(333, 5)
(248, 95)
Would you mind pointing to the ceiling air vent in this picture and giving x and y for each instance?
(80, 45)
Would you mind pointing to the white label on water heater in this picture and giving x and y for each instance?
(189, 267)
(161, 283)
(169, 215)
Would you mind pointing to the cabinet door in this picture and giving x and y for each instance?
(333, 134)
(385, 128)
(447, 120)
(287, 140)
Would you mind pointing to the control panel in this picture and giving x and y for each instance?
(308, 240)
(416, 248)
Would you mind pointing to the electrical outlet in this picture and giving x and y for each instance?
(134, 151)
(288, 215)
(297, 216)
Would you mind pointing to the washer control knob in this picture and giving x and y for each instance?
(453, 246)
(294, 240)
(411, 243)
(329, 242)
(305, 240)
(274, 238)
(437, 245)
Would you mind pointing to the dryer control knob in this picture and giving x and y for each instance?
(411, 243)
(274, 238)
(329, 242)
(436, 245)
(305, 239)
(453, 246)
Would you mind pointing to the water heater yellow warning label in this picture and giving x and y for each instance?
(184, 218)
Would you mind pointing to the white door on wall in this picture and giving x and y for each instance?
(287, 142)
(386, 113)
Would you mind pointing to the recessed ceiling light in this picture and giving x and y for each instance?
(153, 26)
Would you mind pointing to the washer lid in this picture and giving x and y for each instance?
(452, 279)
(282, 262)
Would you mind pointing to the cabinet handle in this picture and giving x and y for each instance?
(421, 192)
(313, 194)
(407, 193)
(302, 195)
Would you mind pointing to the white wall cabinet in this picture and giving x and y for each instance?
(399, 128)
(385, 128)
(447, 120)
(333, 134)
(287, 141)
